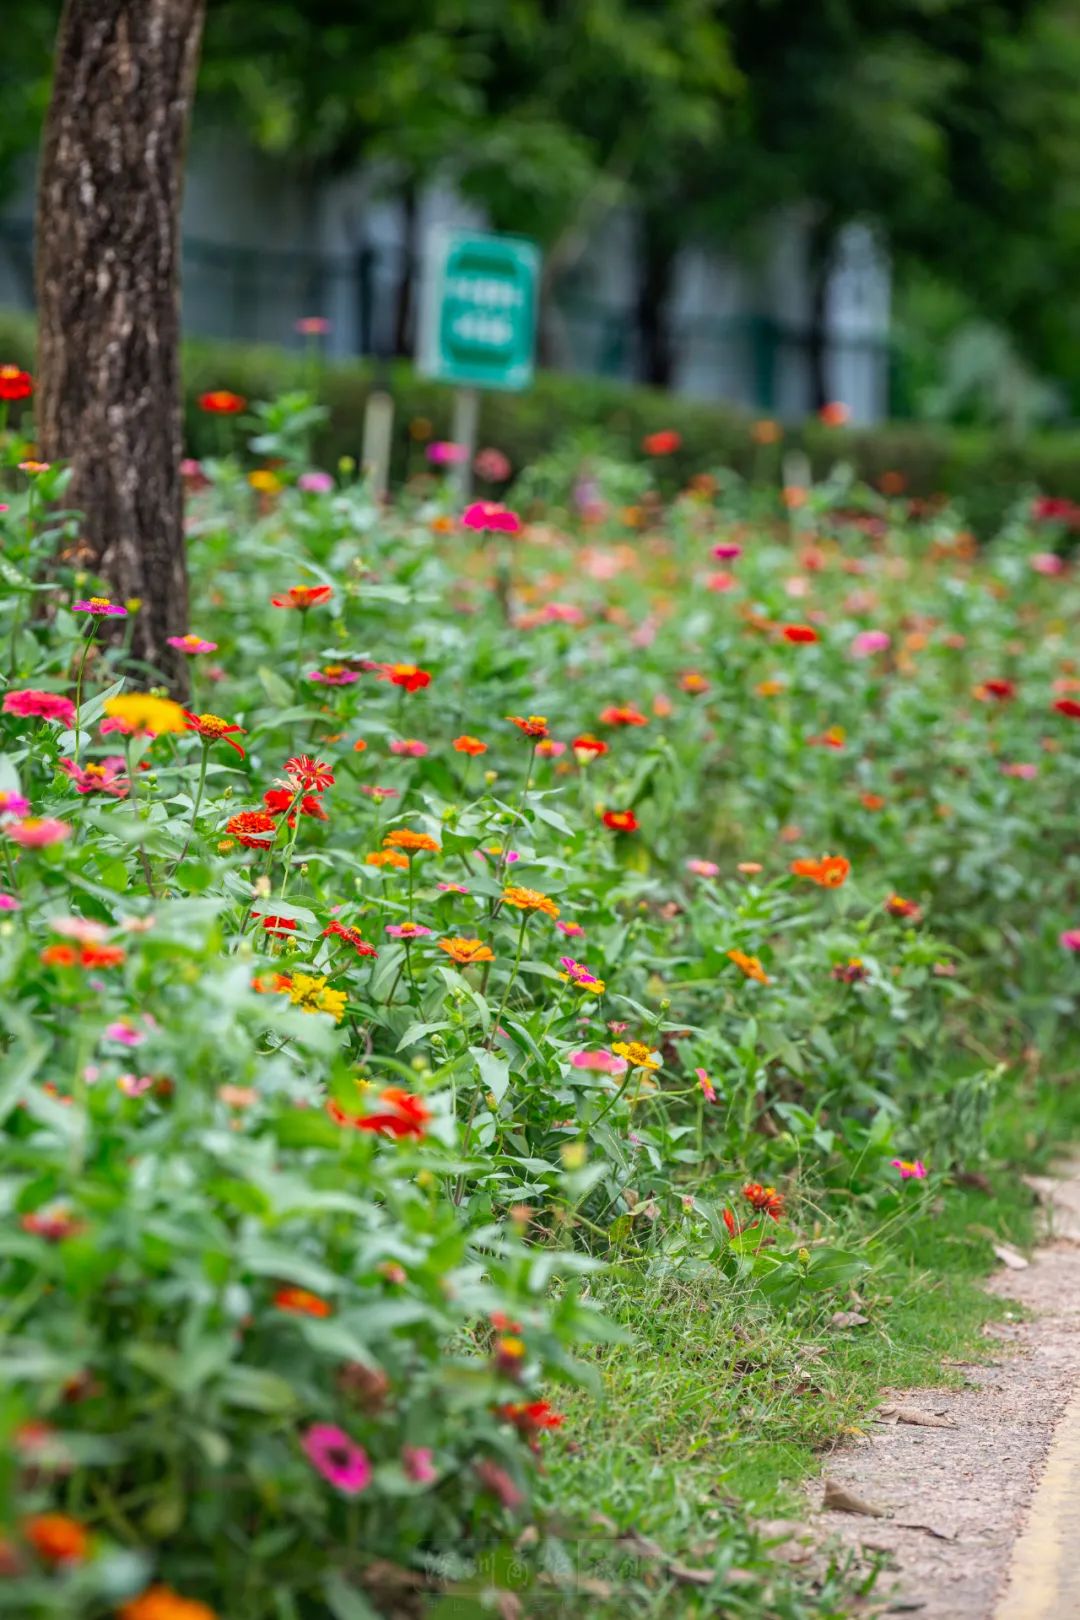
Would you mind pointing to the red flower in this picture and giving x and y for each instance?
(469, 745)
(212, 728)
(834, 414)
(998, 691)
(1068, 706)
(531, 1417)
(276, 925)
(623, 821)
(15, 384)
(587, 747)
(405, 1115)
(220, 402)
(301, 1302)
(828, 873)
(664, 443)
(765, 1199)
(623, 714)
(534, 725)
(310, 773)
(101, 956)
(351, 936)
(406, 675)
(251, 826)
(799, 633)
(303, 597)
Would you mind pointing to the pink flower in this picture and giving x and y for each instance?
(337, 1458)
(312, 326)
(104, 777)
(492, 466)
(13, 804)
(499, 1483)
(727, 551)
(124, 1033)
(191, 644)
(31, 704)
(1070, 939)
(8, 902)
(491, 516)
(101, 608)
(418, 1463)
(602, 1062)
(572, 930)
(868, 642)
(409, 747)
(453, 888)
(721, 582)
(407, 930)
(1026, 773)
(37, 832)
(315, 483)
(707, 869)
(1048, 562)
(577, 973)
(706, 1085)
(334, 675)
(370, 791)
(84, 929)
(910, 1169)
(134, 1085)
(444, 454)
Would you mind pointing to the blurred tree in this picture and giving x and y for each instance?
(108, 242)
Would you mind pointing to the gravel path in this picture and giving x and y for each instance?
(956, 1495)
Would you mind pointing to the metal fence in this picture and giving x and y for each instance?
(256, 295)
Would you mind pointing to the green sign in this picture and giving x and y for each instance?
(478, 309)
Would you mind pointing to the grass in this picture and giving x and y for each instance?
(719, 1412)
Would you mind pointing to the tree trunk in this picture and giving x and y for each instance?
(403, 311)
(108, 236)
(656, 270)
(819, 265)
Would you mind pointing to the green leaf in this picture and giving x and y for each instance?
(494, 1071)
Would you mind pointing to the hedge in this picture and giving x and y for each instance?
(984, 471)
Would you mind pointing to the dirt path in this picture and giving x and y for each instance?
(957, 1495)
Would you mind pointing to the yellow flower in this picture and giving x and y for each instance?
(143, 712)
(266, 482)
(529, 900)
(313, 996)
(637, 1054)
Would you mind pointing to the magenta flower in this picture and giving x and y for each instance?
(707, 1087)
(1048, 562)
(315, 483)
(1026, 773)
(104, 776)
(409, 746)
(492, 517)
(407, 930)
(134, 1085)
(191, 644)
(707, 869)
(1070, 939)
(338, 1459)
(334, 675)
(31, 704)
(868, 642)
(13, 804)
(8, 902)
(910, 1169)
(101, 608)
(37, 832)
(452, 888)
(124, 1033)
(445, 454)
(418, 1463)
(602, 1062)
(572, 930)
(727, 551)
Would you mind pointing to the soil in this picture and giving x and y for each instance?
(955, 1495)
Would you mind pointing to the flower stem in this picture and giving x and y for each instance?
(79, 684)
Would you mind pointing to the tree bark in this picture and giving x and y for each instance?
(108, 295)
(655, 276)
(404, 297)
(819, 266)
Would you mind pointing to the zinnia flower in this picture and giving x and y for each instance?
(465, 951)
(106, 776)
(491, 516)
(601, 1062)
(350, 936)
(834, 414)
(302, 597)
(309, 773)
(868, 642)
(315, 483)
(335, 675)
(1066, 706)
(910, 1169)
(212, 728)
(313, 995)
(146, 714)
(57, 1539)
(664, 443)
(637, 1054)
(404, 838)
(408, 747)
(403, 1115)
(530, 1418)
(15, 384)
(1070, 939)
(250, 828)
(387, 857)
(533, 725)
(338, 1459)
(31, 704)
(418, 1464)
(799, 633)
(995, 691)
(221, 402)
(623, 714)
(37, 832)
(830, 872)
(623, 821)
(100, 607)
(578, 974)
(572, 930)
(765, 1199)
(529, 900)
(191, 644)
(13, 804)
(897, 906)
(407, 930)
(707, 1087)
(408, 676)
(705, 869)
(469, 745)
(587, 748)
(162, 1603)
(301, 1302)
(851, 972)
(749, 966)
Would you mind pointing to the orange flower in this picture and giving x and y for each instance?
(769, 688)
(692, 683)
(624, 714)
(750, 966)
(303, 597)
(406, 838)
(534, 725)
(387, 857)
(469, 745)
(794, 496)
(871, 801)
(799, 633)
(57, 1539)
(766, 1199)
(529, 900)
(301, 1302)
(162, 1603)
(464, 951)
(620, 821)
(830, 872)
(251, 827)
(835, 414)
(897, 906)
(766, 431)
(221, 402)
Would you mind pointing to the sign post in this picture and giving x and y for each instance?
(477, 323)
